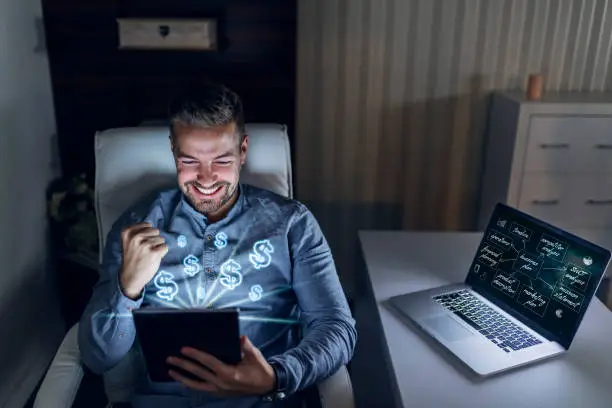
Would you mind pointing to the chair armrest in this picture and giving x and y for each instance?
(337, 390)
(63, 377)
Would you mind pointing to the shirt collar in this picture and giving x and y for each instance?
(233, 212)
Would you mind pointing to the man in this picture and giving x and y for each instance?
(216, 243)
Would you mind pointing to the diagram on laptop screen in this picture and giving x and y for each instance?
(537, 271)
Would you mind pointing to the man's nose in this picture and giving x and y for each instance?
(206, 176)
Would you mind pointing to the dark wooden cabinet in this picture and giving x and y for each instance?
(97, 86)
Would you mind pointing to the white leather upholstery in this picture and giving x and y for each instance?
(130, 163)
(337, 390)
(62, 380)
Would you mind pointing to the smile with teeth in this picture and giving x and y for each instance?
(207, 191)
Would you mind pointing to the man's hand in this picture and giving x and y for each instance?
(252, 376)
(143, 250)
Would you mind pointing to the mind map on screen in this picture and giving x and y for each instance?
(542, 273)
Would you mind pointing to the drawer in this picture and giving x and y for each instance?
(592, 201)
(575, 144)
(168, 34)
(596, 150)
(568, 201)
(552, 143)
(545, 196)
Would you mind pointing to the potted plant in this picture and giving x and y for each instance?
(73, 219)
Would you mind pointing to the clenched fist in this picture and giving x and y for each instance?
(143, 250)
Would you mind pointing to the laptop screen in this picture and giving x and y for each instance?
(540, 274)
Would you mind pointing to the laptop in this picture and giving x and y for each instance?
(525, 294)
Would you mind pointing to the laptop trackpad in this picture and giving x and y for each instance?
(447, 328)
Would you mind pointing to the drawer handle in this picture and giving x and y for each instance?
(545, 202)
(555, 145)
(603, 146)
(163, 30)
(598, 202)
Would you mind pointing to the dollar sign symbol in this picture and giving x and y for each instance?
(192, 266)
(255, 293)
(230, 274)
(221, 240)
(261, 255)
(168, 289)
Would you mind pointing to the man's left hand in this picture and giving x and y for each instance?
(252, 376)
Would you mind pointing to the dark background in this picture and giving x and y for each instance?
(96, 86)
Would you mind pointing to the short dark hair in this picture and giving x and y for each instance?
(208, 106)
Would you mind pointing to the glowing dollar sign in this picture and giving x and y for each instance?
(168, 289)
(261, 255)
(221, 240)
(192, 266)
(255, 293)
(230, 274)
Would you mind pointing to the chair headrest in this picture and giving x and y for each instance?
(134, 162)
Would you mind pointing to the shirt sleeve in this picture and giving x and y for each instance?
(106, 329)
(329, 329)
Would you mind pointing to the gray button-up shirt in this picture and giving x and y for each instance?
(268, 257)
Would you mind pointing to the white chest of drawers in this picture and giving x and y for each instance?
(552, 159)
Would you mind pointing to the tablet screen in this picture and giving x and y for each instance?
(163, 332)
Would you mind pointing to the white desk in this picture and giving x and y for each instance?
(394, 365)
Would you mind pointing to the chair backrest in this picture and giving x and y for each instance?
(133, 162)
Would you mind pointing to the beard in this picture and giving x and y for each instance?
(210, 206)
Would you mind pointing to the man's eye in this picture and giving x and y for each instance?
(224, 163)
(188, 162)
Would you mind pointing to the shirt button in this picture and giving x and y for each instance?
(209, 237)
(281, 395)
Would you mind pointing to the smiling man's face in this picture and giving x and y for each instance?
(208, 163)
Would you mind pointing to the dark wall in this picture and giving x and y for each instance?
(97, 86)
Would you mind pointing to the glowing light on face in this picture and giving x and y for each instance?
(208, 163)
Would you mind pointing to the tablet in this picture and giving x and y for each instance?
(163, 332)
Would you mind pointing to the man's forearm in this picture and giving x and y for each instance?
(106, 329)
(328, 345)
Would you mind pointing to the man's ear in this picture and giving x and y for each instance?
(244, 146)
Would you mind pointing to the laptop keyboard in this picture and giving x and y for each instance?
(492, 324)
